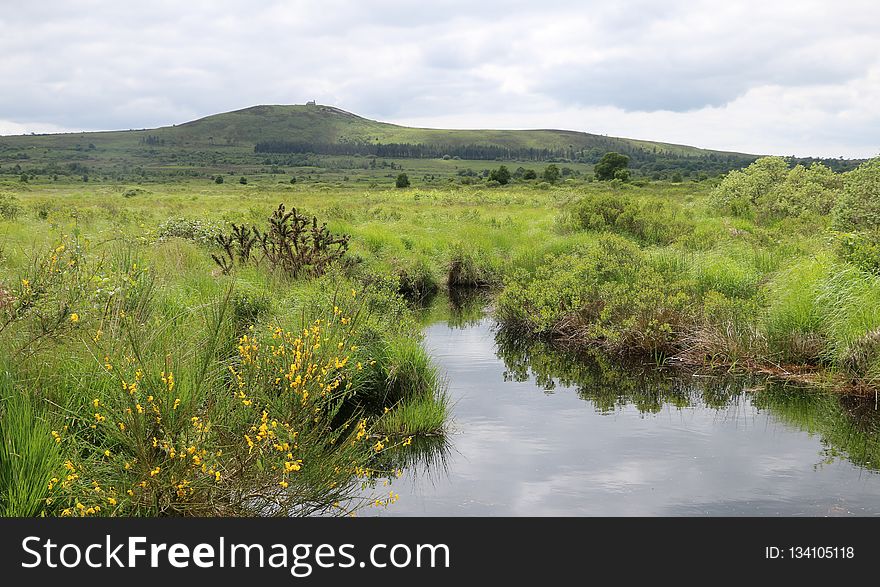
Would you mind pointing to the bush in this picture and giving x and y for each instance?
(10, 208)
(291, 244)
(500, 175)
(605, 294)
(650, 222)
(861, 249)
(203, 232)
(402, 180)
(859, 205)
(609, 166)
(769, 189)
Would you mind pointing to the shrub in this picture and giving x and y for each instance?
(292, 245)
(203, 232)
(650, 222)
(604, 294)
(612, 166)
(10, 208)
(769, 189)
(858, 207)
(861, 249)
(402, 181)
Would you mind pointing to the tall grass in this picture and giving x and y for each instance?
(29, 455)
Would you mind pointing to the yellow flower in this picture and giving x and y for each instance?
(26, 283)
(283, 484)
(74, 317)
(111, 501)
(106, 453)
(155, 472)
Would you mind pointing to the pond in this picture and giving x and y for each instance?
(538, 432)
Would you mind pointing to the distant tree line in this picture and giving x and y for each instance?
(643, 160)
(412, 150)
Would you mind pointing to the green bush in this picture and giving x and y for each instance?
(861, 249)
(10, 208)
(203, 232)
(769, 189)
(606, 293)
(858, 207)
(650, 222)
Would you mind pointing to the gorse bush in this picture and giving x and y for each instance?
(160, 406)
(292, 245)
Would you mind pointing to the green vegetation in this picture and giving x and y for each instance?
(325, 143)
(612, 166)
(178, 345)
(749, 276)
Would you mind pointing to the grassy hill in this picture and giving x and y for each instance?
(228, 141)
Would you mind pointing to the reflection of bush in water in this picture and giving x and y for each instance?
(609, 383)
(461, 307)
(425, 454)
(849, 426)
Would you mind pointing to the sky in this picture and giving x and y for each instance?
(766, 77)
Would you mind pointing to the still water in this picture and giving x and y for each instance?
(540, 433)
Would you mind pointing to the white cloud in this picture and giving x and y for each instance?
(756, 76)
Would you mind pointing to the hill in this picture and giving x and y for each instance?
(259, 133)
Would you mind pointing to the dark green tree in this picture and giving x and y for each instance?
(501, 175)
(530, 174)
(609, 164)
(402, 181)
(218, 179)
(243, 180)
(551, 173)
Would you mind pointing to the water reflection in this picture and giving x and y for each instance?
(543, 432)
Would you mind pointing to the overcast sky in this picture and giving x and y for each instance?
(769, 76)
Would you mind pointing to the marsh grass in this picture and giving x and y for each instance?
(29, 455)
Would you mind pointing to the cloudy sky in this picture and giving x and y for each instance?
(782, 77)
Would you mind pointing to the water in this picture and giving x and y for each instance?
(536, 432)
